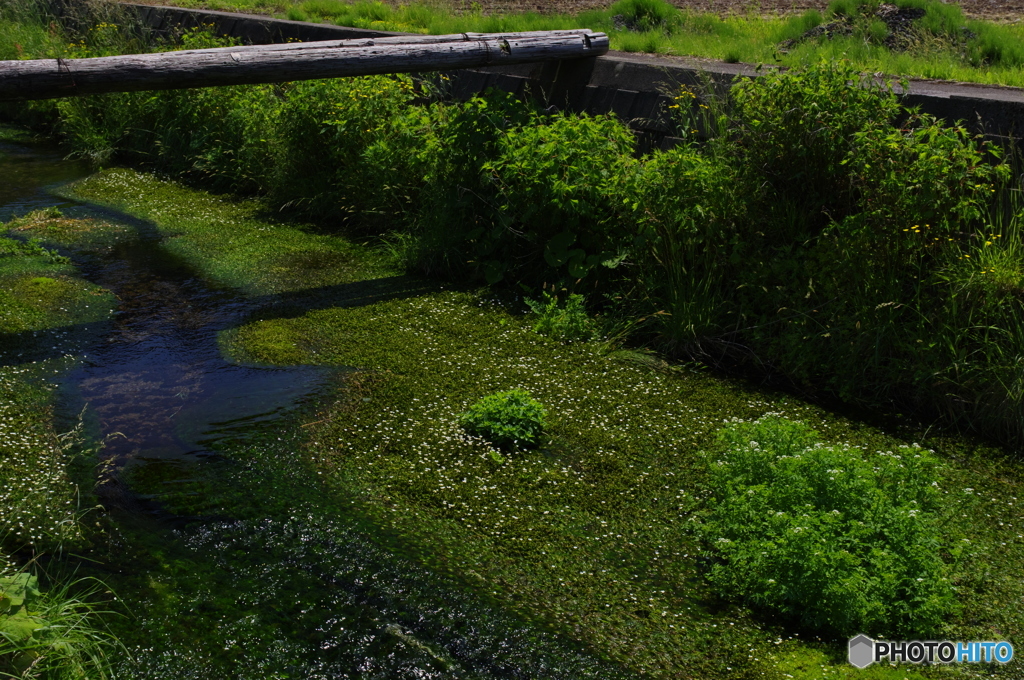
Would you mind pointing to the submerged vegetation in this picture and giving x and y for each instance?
(589, 509)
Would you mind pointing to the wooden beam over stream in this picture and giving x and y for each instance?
(53, 78)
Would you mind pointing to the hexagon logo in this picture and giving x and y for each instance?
(862, 651)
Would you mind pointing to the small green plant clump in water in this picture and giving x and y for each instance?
(567, 322)
(841, 542)
(10, 247)
(507, 419)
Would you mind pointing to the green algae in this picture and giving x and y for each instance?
(230, 241)
(587, 536)
(590, 534)
(51, 227)
(44, 306)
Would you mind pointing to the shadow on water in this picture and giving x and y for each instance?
(289, 585)
(30, 172)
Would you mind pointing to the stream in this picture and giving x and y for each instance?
(262, 577)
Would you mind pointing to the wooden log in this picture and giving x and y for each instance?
(392, 40)
(52, 78)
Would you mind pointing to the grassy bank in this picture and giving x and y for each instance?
(926, 39)
(890, 278)
(596, 536)
(47, 315)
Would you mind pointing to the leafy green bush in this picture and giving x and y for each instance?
(924, 173)
(326, 130)
(567, 322)
(840, 541)
(795, 130)
(560, 190)
(688, 216)
(507, 419)
(457, 221)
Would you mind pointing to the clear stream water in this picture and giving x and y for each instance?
(289, 586)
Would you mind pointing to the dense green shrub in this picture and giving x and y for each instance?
(507, 419)
(327, 133)
(841, 541)
(923, 173)
(457, 221)
(567, 322)
(560, 192)
(688, 216)
(795, 130)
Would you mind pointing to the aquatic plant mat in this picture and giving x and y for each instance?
(366, 534)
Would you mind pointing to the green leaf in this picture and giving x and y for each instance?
(19, 626)
(556, 252)
(494, 271)
(17, 590)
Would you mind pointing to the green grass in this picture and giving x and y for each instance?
(52, 228)
(993, 56)
(593, 532)
(56, 633)
(939, 49)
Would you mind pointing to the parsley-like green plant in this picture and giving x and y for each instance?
(507, 419)
(566, 322)
(835, 539)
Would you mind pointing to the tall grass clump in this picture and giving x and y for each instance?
(688, 218)
(456, 191)
(56, 634)
(646, 15)
(815, 238)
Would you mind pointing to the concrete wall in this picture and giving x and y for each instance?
(635, 87)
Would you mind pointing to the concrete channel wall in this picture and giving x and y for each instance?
(635, 87)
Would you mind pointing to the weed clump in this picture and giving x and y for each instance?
(567, 322)
(839, 541)
(51, 634)
(507, 419)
